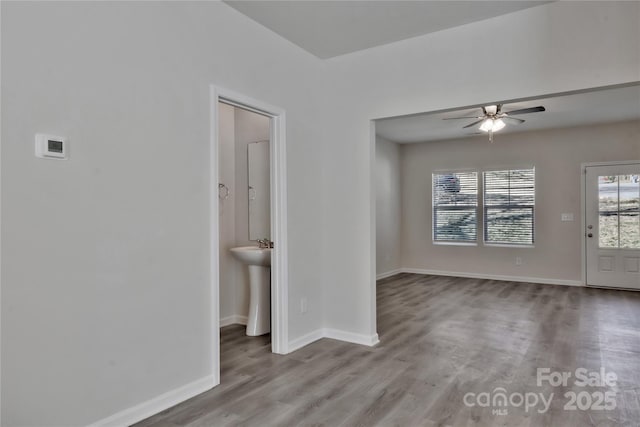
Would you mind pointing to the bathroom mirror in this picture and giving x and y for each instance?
(259, 190)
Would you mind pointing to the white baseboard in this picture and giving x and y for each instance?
(156, 405)
(164, 401)
(541, 280)
(233, 320)
(388, 274)
(305, 340)
(336, 334)
(350, 337)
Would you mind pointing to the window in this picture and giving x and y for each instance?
(455, 207)
(619, 212)
(509, 200)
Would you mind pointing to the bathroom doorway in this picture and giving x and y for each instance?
(248, 210)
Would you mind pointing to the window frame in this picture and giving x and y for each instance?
(433, 209)
(533, 208)
(481, 208)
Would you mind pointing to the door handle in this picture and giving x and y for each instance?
(590, 235)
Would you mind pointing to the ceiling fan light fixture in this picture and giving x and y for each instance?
(492, 125)
(491, 109)
(487, 125)
(497, 125)
(491, 118)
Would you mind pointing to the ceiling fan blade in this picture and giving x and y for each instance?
(473, 124)
(513, 118)
(466, 117)
(527, 110)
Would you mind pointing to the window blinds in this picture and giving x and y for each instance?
(455, 207)
(509, 201)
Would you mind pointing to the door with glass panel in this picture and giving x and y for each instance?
(612, 219)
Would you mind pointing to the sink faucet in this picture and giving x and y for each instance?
(265, 243)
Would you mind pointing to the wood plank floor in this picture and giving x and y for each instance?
(440, 338)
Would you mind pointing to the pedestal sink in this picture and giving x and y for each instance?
(259, 262)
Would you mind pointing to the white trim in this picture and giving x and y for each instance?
(0, 242)
(336, 334)
(583, 222)
(453, 243)
(388, 274)
(305, 340)
(583, 203)
(234, 319)
(280, 254)
(157, 404)
(613, 288)
(542, 280)
(278, 182)
(509, 245)
(214, 240)
(616, 163)
(372, 302)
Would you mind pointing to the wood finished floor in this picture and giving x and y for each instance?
(440, 338)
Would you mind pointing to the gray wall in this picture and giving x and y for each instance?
(116, 296)
(556, 155)
(569, 46)
(388, 206)
(106, 297)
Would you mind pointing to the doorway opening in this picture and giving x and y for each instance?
(248, 186)
(612, 224)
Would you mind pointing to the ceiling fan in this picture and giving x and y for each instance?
(493, 118)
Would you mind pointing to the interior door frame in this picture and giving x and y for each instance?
(279, 256)
(583, 201)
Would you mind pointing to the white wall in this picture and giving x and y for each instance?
(388, 206)
(557, 156)
(120, 298)
(552, 48)
(105, 269)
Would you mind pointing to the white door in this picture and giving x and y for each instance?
(612, 219)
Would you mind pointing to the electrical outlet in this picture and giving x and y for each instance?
(303, 305)
(518, 260)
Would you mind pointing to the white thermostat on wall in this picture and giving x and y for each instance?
(52, 147)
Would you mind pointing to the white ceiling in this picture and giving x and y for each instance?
(596, 107)
(331, 28)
